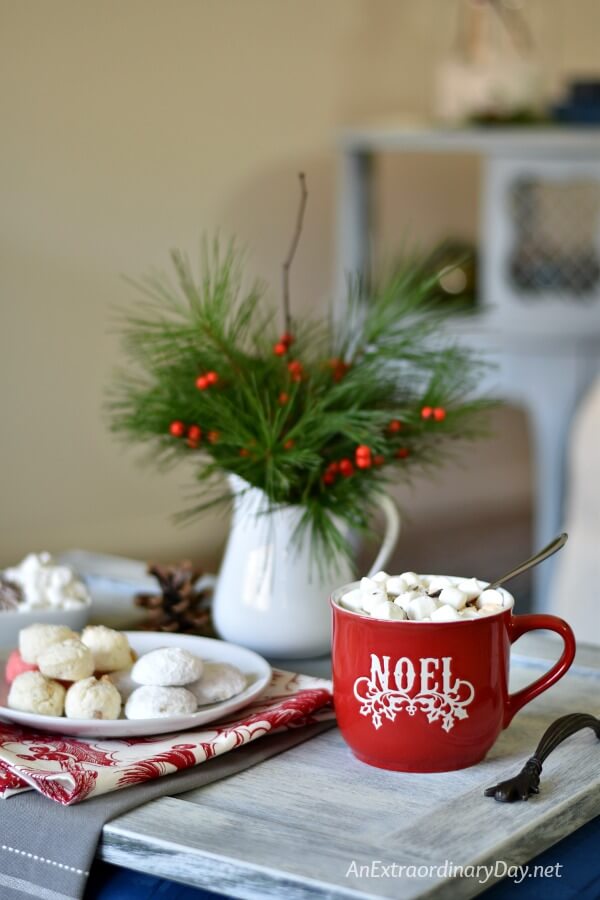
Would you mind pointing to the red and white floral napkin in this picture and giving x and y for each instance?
(69, 770)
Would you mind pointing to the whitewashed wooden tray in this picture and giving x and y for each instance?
(293, 827)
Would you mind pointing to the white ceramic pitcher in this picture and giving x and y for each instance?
(269, 595)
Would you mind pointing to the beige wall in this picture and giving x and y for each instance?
(130, 126)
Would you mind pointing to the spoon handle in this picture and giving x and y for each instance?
(538, 557)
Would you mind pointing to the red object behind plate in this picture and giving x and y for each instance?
(16, 665)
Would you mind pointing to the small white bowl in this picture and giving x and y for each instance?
(12, 621)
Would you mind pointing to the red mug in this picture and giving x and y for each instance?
(427, 696)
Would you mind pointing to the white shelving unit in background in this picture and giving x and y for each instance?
(539, 273)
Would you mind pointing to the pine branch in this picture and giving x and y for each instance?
(279, 431)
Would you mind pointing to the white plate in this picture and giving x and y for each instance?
(256, 669)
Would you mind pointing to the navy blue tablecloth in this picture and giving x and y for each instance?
(578, 856)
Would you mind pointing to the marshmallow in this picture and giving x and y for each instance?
(407, 597)
(489, 610)
(34, 693)
(471, 587)
(110, 649)
(411, 579)
(396, 585)
(219, 682)
(372, 593)
(69, 661)
(388, 610)
(167, 667)
(445, 613)
(469, 612)
(438, 583)
(155, 702)
(91, 698)
(46, 585)
(353, 600)
(490, 598)
(380, 577)
(452, 596)
(421, 607)
(34, 639)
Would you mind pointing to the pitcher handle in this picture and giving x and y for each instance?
(390, 536)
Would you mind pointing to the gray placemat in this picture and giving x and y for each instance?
(46, 850)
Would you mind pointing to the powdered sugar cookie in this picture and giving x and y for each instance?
(219, 682)
(110, 648)
(34, 693)
(154, 702)
(93, 698)
(69, 661)
(167, 667)
(35, 639)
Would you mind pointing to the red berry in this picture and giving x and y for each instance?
(333, 467)
(379, 459)
(280, 349)
(362, 454)
(287, 339)
(328, 478)
(211, 377)
(395, 426)
(244, 452)
(194, 433)
(212, 437)
(297, 377)
(283, 398)
(402, 452)
(193, 445)
(295, 365)
(289, 444)
(426, 412)
(177, 428)
(439, 414)
(201, 382)
(346, 468)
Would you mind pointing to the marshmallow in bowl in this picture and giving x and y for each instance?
(489, 598)
(388, 610)
(93, 698)
(167, 667)
(46, 585)
(156, 702)
(32, 692)
(372, 593)
(424, 598)
(69, 661)
(110, 648)
(453, 596)
(35, 639)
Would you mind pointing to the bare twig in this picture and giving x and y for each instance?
(290, 257)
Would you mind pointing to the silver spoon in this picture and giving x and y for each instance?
(534, 560)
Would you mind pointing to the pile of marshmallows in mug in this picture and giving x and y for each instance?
(425, 598)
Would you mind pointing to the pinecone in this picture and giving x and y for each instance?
(10, 595)
(179, 607)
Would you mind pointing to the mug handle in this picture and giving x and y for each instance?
(390, 537)
(518, 626)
